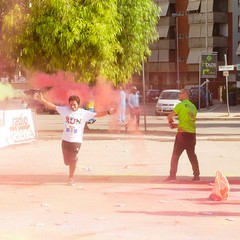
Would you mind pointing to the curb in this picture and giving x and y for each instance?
(110, 136)
(218, 118)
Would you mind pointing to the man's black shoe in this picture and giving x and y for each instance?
(196, 179)
(170, 179)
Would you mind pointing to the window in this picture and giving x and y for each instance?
(163, 55)
(164, 9)
(154, 56)
(239, 23)
(209, 4)
(163, 31)
(238, 49)
(194, 55)
(199, 30)
(193, 6)
(194, 30)
(210, 30)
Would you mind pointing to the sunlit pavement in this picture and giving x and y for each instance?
(120, 191)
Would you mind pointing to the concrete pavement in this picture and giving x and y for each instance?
(120, 191)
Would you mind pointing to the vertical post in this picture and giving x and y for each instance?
(177, 61)
(227, 99)
(176, 15)
(206, 16)
(144, 95)
(207, 97)
(35, 124)
(199, 83)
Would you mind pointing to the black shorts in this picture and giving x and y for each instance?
(70, 151)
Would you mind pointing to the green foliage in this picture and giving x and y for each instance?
(91, 38)
(5, 7)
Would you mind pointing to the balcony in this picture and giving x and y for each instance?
(215, 41)
(213, 17)
(167, 21)
(162, 44)
(161, 67)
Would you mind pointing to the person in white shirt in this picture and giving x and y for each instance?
(133, 104)
(122, 105)
(74, 119)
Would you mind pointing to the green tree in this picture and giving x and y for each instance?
(91, 38)
(5, 6)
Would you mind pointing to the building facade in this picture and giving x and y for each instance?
(187, 29)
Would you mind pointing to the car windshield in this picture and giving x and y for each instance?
(169, 95)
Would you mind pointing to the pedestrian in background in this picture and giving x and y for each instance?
(74, 119)
(122, 105)
(186, 135)
(133, 104)
(90, 107)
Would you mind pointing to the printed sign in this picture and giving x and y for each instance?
(226, 68)
(209, 65)
(19, 126)
(3, 135)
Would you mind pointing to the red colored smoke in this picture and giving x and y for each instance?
(58, 87)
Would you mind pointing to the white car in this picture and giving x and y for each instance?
(167, 101)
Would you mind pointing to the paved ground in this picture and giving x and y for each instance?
(152, 127)
(120, 192)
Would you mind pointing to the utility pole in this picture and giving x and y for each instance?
(176, 15)
(144, 96)
(207, 97)
(227, 95)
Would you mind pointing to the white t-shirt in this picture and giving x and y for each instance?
(74, 122)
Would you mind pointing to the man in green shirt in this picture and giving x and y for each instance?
(186, 135)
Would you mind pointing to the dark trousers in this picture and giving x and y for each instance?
(70, 151)
(184, 141)
(135, 114)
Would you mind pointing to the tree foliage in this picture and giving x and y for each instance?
(5, 6)
(107, 38)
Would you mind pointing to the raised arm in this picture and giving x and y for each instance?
(48, 104)
(111, 110)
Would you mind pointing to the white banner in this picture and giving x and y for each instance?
(19, 126)
(3, 135)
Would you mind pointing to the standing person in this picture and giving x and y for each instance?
(90, 107)
(122, 105)
(74, 119)
(133, 104)
(186, 135)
